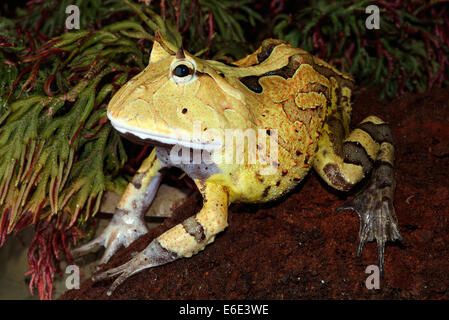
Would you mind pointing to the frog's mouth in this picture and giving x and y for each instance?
(146, 137)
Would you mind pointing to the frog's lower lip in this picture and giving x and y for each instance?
(145, 137)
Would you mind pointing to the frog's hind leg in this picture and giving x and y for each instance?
(128, 224)
(344, 162)
(181, 241)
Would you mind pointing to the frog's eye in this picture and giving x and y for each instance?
(182, 71)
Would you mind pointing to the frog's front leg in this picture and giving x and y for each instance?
(181, 241)
(344, 162)
(127, 223)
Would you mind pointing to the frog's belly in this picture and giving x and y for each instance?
(246, 183)
(189, 160)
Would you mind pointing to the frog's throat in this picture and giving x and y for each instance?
(140, 136)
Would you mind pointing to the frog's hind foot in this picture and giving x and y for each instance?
(121, 231)
(374, 205)
(154, 255)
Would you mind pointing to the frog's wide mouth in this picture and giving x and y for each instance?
(155, 138)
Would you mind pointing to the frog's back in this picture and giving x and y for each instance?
(296, 94)
(282, 60)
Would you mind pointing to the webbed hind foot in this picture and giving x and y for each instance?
(374, 205)
(123, 229)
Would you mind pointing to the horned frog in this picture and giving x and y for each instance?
(278, 90)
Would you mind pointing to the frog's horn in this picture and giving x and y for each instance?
(162, 40)
(161, 48)
(180, 54)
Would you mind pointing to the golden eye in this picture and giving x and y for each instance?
(182, 71)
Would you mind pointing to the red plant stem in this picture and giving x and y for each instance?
(32, 78)
(48, 45)
(27, 52)
(177, 5)
(31, 40)
(55, 245)
(37, 213)
(102, 123)
(163, 9)
(48, 84)
(14, 84)
(76, 134)
(3, 228)
(190, 15)
(23, 222)
(64, 246)
(44, 54)
(211, 28)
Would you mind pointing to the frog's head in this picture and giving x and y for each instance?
(176, 96)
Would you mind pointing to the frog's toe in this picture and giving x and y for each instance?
(121, 231)
(153, 255)
(377, 217)
(88, 247)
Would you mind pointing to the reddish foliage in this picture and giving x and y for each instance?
(44, 257)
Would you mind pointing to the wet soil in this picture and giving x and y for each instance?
(298, 248)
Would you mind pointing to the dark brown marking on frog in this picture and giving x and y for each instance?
(384, 174)
(194, 228)
(380, 163)
(379, 132)
(137, 180)
(328, 73)
(316, 87)
(355, 153)
(288, 70)
(180, 54)
(307, 158)
(267, 48)
(336, 134)
(160, 255)
(338, 99)
(265, 192)
(252, 83)
(334, 175)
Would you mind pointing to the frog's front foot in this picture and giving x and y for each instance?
(153, 255)
(123, 229)
(374, 205)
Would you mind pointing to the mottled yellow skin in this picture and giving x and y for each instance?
(296, 107)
